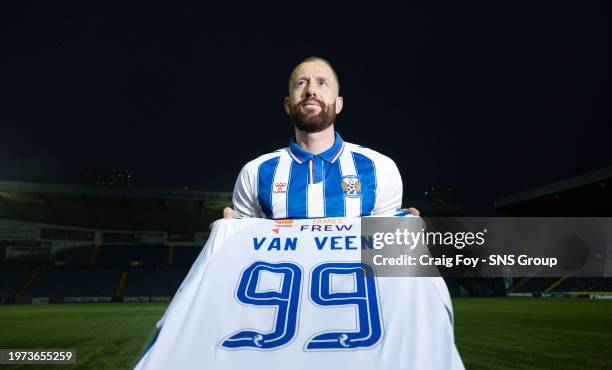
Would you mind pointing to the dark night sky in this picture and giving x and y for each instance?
(488, 98)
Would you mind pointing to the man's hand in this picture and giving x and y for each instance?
(413, 211)
(227, 213)
(230, 213)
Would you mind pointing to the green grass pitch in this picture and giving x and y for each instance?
(496, 333)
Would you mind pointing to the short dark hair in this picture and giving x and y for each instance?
(315, 59)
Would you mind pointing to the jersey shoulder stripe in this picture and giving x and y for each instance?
(255, 163)
(368, 152)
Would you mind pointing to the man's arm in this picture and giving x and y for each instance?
(389, 188)
(390, 191)
(245, 195)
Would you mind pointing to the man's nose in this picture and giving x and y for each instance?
(311, 91)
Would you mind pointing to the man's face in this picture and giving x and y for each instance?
(313, 100)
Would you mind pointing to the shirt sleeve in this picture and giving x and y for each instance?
(245, 193)
(389, 189)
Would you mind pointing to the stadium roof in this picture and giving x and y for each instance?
(601, 178)
(115, 208)
(435, 209)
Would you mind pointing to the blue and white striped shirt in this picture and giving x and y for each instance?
(347, 180)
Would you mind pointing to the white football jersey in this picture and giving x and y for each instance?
(293, 294)
(347, 180)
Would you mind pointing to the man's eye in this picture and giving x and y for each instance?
(301, 83)
(321, 82)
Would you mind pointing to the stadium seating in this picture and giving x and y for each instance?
(533, 285)
(74, 282)
(483, 287)
(185, 256)
(75, 255)
(10, 281)
(603, 284)
(455, 289)
(141, 254)
(69, 272)
(158, 282)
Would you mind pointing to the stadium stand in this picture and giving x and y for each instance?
(532, 285)
(482, 287)
(139, 254)
(158, 282)
(74, 282)
(10, 281)
(585, 285)
(71, 272)
(184, 256)
(455, 289)
(63, 241)
(586, 195)
(75, 255)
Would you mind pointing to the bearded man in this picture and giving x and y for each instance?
(318, 174)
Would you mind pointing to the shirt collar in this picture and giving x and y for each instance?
(330, 155)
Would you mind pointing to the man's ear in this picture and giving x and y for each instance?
(287, 105)
(339, 104)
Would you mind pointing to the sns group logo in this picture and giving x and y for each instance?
(351, 186)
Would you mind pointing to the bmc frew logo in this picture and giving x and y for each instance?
(321, 225)
(326, 224)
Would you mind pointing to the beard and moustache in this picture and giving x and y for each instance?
(311, 122)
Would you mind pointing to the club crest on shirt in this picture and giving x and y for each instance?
(351, 186)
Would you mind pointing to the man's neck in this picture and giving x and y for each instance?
(316, 142)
